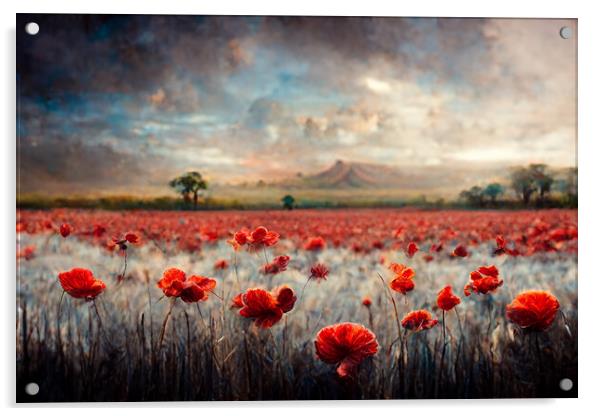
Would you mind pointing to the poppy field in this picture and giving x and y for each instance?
(296, 305)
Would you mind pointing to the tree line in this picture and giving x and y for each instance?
(533, 185)
(526, 186)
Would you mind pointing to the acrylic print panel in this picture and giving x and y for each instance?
(290, 208)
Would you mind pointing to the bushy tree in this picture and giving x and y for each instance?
(571, 190)
(474, 195)
(493, 191)
(542, 178)
(288, 202)
(189, 184)
(535, 178)
(523, 184)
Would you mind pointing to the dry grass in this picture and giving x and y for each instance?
(209, 352)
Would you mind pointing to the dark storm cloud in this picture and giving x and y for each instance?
(124, 54)
(140, 54)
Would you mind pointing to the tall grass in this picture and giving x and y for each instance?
(209, 352)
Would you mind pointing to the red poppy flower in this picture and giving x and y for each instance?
(484, 280)
(21, 227)
(436, 248)
(367, 302)
(460, 251)
(403, 281)
(319, 272)
(262, 307)
(98, 230)
(196, 289)
(110, 245)
(65, 229)
(346, 345)
(241, 237)
(81, 283)
(220, 265)
(279, 264)
(261, 237)
(285, 298)
(419, 320)
(315, 244)
(132, 238)
(237, 302)
(27, 253)
(282, 262)
(172, 282)
(378, 245)
(255, 240)
(209, 236)
(533, 309)
(401, 269)
(563, 234)
(192, 289)
(412, 249)
(490, 271)
(446, 299)
(500, 242)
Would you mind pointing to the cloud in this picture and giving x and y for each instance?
(377, 86)
(157, 98)
(246, 98)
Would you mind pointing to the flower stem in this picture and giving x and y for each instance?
(400, 363)
(100, 325)
(198, 308)
(236, 270)
(216, 295)
(172, 302)
(303, 290)
(459, 323)
(284, 335)
(442, 361)
(125, 264)
(58, 314)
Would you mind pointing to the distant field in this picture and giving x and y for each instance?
(210, 352)
(232, 198)
(270, 197)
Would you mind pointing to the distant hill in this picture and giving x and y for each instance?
(349, 176)
(355, 175)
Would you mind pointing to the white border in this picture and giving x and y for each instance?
(590, 290)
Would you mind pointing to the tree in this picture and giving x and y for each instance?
(288, 202)
(493, 191)
(523, 184)
(571, 186)
(571, 180)
(542, 180)
(190, 183)
(474, 195)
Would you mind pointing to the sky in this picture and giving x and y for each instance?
(121, 104)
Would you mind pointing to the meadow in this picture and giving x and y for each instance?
(134, 340)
